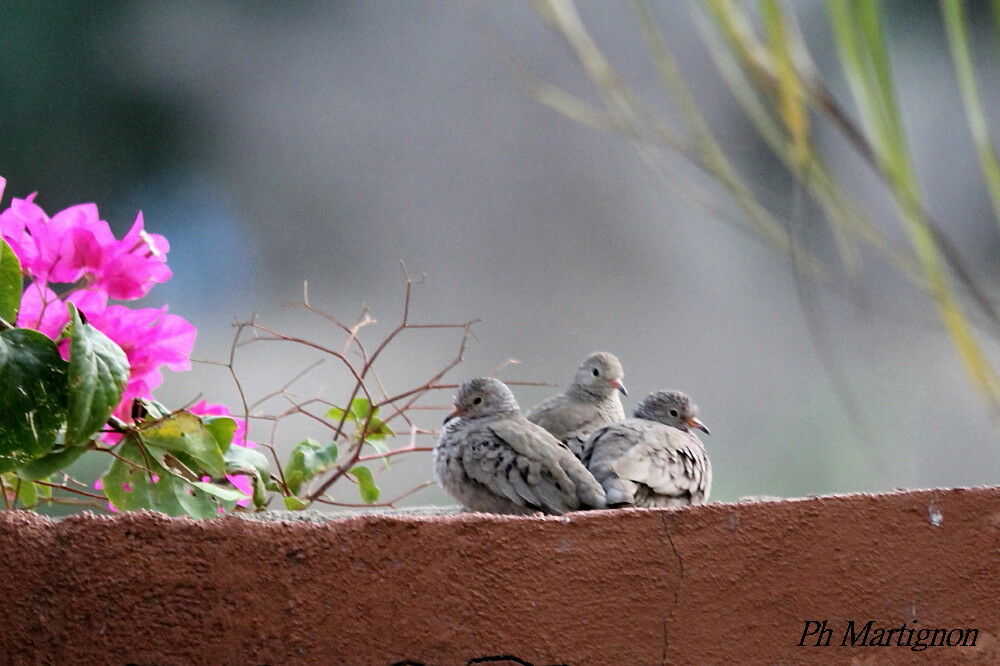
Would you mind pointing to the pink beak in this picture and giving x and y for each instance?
(617, 383)
(695, 422)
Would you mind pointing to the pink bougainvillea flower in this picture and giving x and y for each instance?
(60, 249)
(76, 243)
(242, 483)
(91, 302)
(83, 240)
(130, 267)
(22, 225)
(152, 339)
(42, 310)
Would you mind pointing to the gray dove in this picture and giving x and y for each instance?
(490, 458)
(653, 459)
(590, 402)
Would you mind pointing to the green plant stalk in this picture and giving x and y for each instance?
(843, 213)
(954, 15)
(712, 155)
(749, 68)
(858, 32)
(790, 95)
(646, 131)
(995, 6)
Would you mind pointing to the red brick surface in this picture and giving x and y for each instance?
(720, 584)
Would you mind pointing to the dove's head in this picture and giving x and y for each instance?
(599, 376)
(482, 397)
(671, 408)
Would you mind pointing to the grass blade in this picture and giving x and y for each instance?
(955, 20)
(858, 31)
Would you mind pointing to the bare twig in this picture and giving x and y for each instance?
(395, 452)
(69, 501)
(71, 490)
(390, 504)
(366, 381)
(111, 453)
(273, 394)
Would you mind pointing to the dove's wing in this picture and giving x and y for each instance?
(520, 461)
(573, 422)
(548, 415)
(605, 447)
(671, 463)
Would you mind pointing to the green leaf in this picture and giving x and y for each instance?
(11, 283)
(223, 493)
(222, 429)
(381, 449)
(49, 464)
(361, 407)
(184, 435)
(32, 396)
(260, 497)
(251, 463)
(195, 501)
(294, 504)
(377, 429)
(377, 445)
(366, 484)
(27, 494)
(308, 459)
(98, 371)
(336, 413)
(43, 491)
(129, 486)
(242, 460)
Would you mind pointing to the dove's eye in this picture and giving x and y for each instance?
(477, 401)
(673, 413)
(597, 373)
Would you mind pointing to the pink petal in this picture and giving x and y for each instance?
(242, 483)
(42, 310)
(135, 265)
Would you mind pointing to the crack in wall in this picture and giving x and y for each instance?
(680, 562)
(677, 587)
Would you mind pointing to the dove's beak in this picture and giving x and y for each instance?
(454, 415)
(617, 383)
(695, 422)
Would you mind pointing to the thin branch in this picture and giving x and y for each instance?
(395, 452)
(391, 504)
(123, 459)
(273, 394)
(69, 501)
(71, 490)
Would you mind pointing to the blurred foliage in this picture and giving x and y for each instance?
(73, 122)
(766, 64)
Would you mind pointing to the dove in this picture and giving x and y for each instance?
(653, 459)
(590, 402)
(492, 459)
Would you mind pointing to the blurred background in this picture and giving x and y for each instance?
(328, 141)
